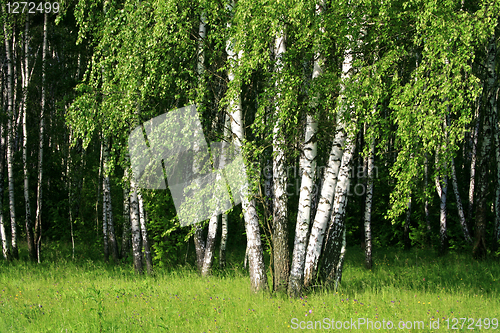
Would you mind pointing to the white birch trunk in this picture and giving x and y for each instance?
(323, 211)
(442, 189)
(3, 234)
(144, 233)
(257, 272)
(473, 162)
(39, 198)
(333, 243)
(368, 207)
(110, 243)
(308, 168)
(126, 223)
(199, 241)
(328, 191)
(105, 213)
(281, 256)
(210, 246)
(10, 142)
(459, 202)
(426, 203)
(24, 109)
(135, 227)
(223, 241)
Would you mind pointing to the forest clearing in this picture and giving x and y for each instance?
(248, 165)
(90, 296)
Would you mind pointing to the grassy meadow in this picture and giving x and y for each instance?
(61, 295)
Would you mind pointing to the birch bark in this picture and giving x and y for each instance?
(323, 211)
(281, 258)
(24, 107)
(258, 276)
(3, 234)
(135, 227)
(39, 193)
(126, 222)
(10, 142)
(144, 234)
(368, 207)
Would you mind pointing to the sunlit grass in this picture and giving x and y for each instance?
(86, 296)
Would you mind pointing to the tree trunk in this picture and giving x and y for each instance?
(406, 228)
(223, 242)
(497, 192)
(426, 203)
(10, 142)
(307, 190)
(210, 246)
(323, 211)
(38, 217)
(442, 190)
(480, 249)
(135, 227)
(332, 257)
(24, 106)
(459, 202)
(110, 242)
(473, 162)
(281, 257)
(308, 169)
(144, 234)
(3, 234)
(368, 207)
(126, 223)
(258, 276)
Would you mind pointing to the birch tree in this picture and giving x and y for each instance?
(258, 276)
(10, 138)
(281, 259)
(308, 169)
(39, 198)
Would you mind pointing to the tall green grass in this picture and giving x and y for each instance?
(62, 295)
